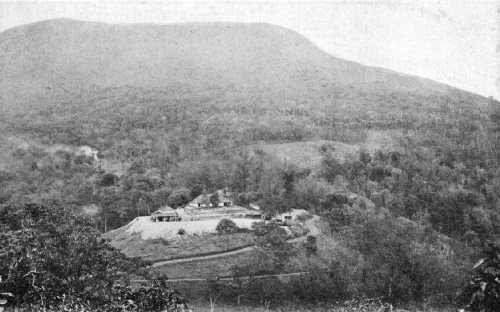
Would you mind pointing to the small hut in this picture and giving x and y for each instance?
(253, 215)
(165, 214)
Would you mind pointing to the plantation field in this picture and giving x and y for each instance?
(222, 266)
(180, 247)
(211, 268)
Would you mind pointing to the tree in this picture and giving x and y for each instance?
(364, 157)
(226, 226)
(179, 197)
(53, 258)
(136, 168)
(330, 167)
(197, 189)
(107, 179)
(482, 294)
(272, 237)
(50, 252)
(214, 199)
(215, 290)
(310, 246)
(403, 261)
(160, 196)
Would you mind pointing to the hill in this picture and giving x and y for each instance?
(55, 61)
(168, 112)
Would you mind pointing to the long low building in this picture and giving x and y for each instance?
(165, 214)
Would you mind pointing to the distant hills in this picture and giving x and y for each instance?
(75, 82)
(59, 58)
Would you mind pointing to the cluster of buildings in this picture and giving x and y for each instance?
(223, 199)
(220, 198)
(211, 206)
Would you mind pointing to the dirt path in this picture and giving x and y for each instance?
(224, 278)
(310, 224)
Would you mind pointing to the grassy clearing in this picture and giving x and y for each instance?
(306, 154)
(182, 246)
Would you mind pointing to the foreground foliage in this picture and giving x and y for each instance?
(483, 292)
(121, 299)
(52, 258)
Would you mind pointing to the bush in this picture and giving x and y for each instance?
(310, 246)
(364, 305)
(297, 229)
(52, 258)
(160, 196)
(121, 298)
(179, 197)
(107, 179)
(181, 232)
(226, 226)
(303, 217)
(320, 285)
(483, 292)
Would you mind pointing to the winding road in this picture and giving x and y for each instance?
(310, 225)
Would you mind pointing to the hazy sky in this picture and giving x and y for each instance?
(451, 41)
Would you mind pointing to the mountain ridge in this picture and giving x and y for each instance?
(63, 52)
(251, 81)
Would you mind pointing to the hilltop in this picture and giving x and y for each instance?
(58, 61)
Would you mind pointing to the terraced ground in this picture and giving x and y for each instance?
(182, 247)
(220, 265)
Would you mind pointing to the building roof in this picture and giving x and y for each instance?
(254, 213)
(254, 206)
(165, 211)
(205, 198)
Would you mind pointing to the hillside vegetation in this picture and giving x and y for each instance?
(402, 170)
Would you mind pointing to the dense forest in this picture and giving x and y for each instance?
(404, 222)
(417, 215)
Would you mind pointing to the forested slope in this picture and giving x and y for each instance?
(179, 109)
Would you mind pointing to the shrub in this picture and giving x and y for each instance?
(297, 229)
(160, 196)
(179, 197)
(54, 259)
(364, 305)
(107, 179)
(154, 298)
(320, 285)
(364, 157)
(226, 226)
(303, 217)
(310, 245)
(483, 292)
(181, 232)
(214, 199)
